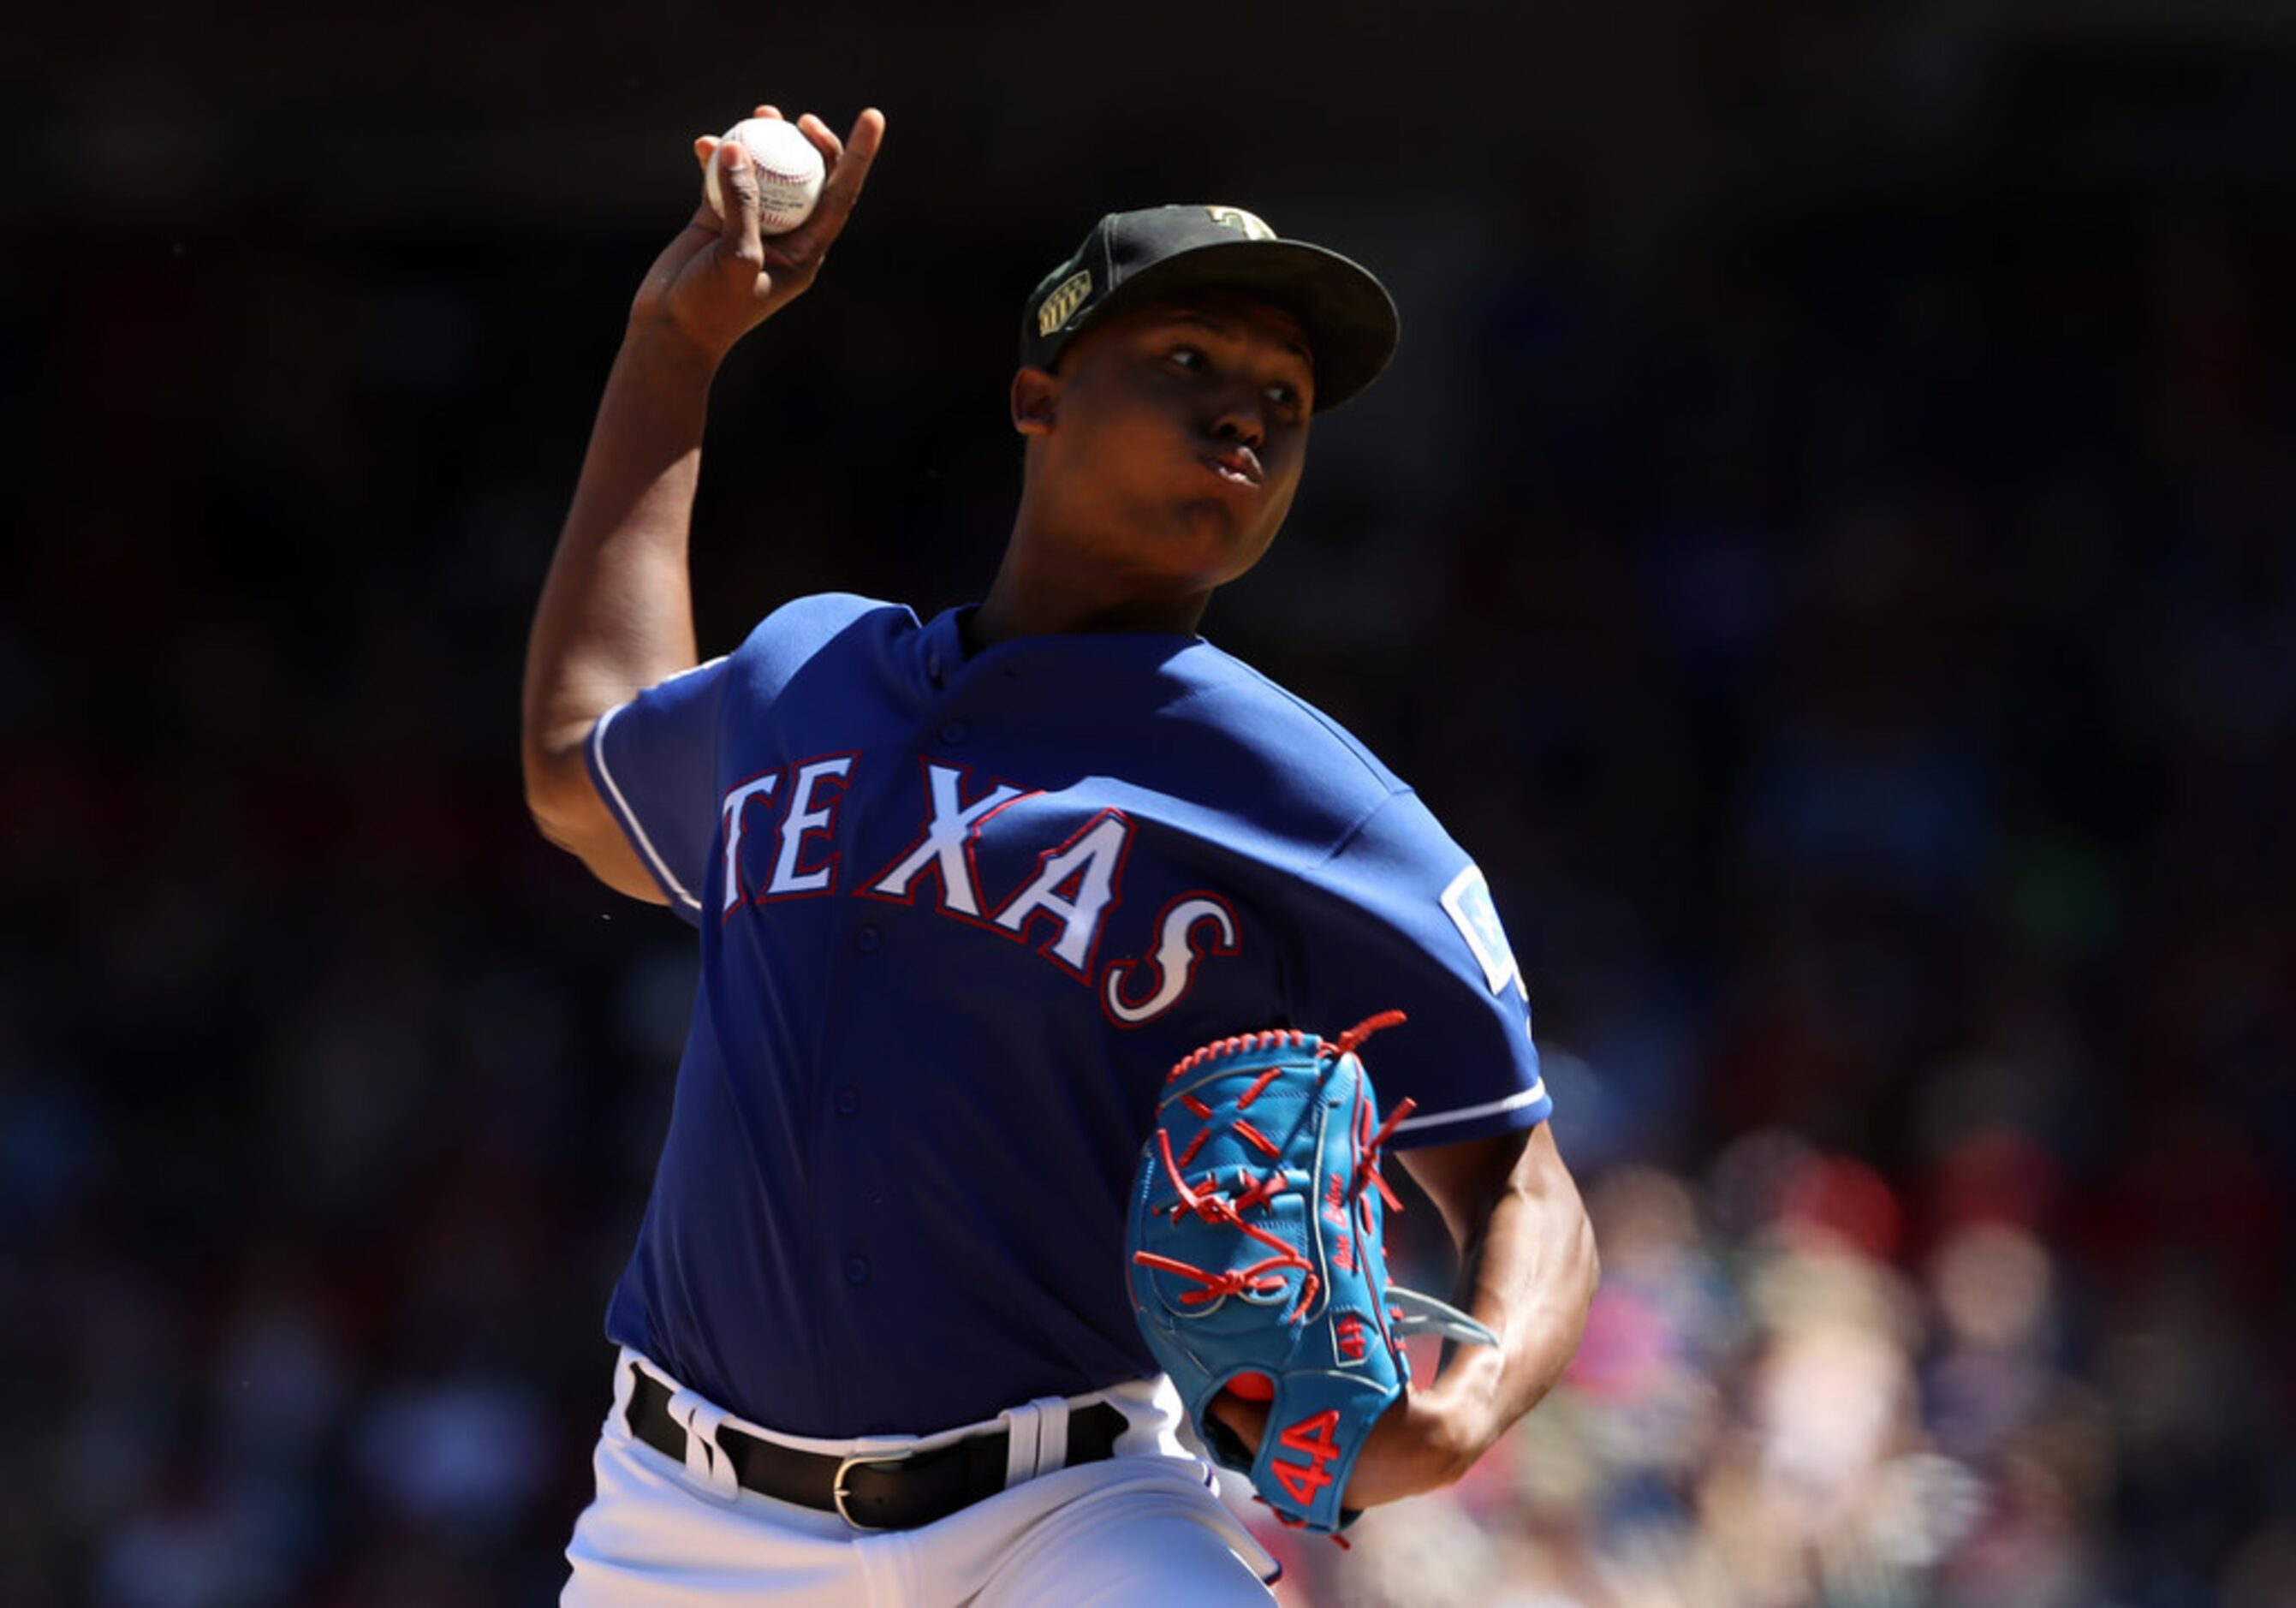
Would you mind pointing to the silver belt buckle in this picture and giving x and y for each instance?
(837, 1492)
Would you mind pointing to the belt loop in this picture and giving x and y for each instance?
(1021, 1426)
(626, 1387)
(1052, 1433)
(1036, 1438)
(707, 1463)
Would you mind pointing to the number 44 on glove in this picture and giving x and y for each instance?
(1257, 1264)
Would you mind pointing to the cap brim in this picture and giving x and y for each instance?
(1349, 319)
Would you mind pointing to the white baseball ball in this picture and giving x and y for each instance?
(789, 173)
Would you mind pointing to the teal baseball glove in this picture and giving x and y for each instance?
(1258, 1262)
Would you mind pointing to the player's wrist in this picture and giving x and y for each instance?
(1421, 1444)
(663, 344)
(1460, 1413)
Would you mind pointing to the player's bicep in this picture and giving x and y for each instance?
(1467, 1180)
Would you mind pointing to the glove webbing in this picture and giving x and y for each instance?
(1211, 1204)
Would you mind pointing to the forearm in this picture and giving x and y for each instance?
(1528, 1273)
(617, 612)
(617, 609)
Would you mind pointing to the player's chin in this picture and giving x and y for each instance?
(1222, 541)
(1248, 511)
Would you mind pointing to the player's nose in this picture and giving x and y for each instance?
(1241, 418)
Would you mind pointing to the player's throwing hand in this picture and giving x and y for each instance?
(721, 277)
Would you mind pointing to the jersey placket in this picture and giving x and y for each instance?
(857, 1078)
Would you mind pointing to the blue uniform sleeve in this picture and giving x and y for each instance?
(654, 761)
(1409, 924)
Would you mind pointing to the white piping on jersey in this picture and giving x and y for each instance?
(661, 871)
(1536, 1091)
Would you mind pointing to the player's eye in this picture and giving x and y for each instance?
(1284, 396)
(1189, 357)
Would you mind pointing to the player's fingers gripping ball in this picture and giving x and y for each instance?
(789, 170)
(1258, 1263)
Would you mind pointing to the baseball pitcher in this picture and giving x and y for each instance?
(1027, 1149)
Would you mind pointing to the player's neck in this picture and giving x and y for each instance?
(1037, 599)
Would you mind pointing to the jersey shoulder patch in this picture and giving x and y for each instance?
(1467, 901)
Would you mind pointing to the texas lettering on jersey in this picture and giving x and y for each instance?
(777, 828)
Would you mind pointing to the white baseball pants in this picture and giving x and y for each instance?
(1143, 1527)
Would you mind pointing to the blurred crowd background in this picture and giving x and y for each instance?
(1828, 547)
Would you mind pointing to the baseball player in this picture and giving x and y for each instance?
(966, 889)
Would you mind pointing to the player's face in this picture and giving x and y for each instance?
(1177, 433)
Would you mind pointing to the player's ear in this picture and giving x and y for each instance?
(1035, 396)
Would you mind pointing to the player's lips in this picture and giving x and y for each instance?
(1239, 464)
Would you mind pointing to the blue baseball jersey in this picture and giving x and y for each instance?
(959, 917)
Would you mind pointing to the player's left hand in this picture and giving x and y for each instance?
(1422, 1442)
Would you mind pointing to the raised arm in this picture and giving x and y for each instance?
(616, 613)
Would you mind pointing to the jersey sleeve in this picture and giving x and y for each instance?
(654, 761)
(1410, 924)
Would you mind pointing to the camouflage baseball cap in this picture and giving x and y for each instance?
(1131, 258)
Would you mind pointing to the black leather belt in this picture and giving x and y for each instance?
(892, 1490)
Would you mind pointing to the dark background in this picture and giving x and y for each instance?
(1827, 547)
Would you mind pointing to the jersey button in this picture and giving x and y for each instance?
(856, 1269)
(952, 731)
(849, 1101)
(868, 939)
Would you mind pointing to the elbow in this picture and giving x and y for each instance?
(1589, 1258)
(1581, 1256)
(556, 825)
(1547, 1191)
(571, 813)
(559, 795)
(1574, 1256)
(1581, 1274)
